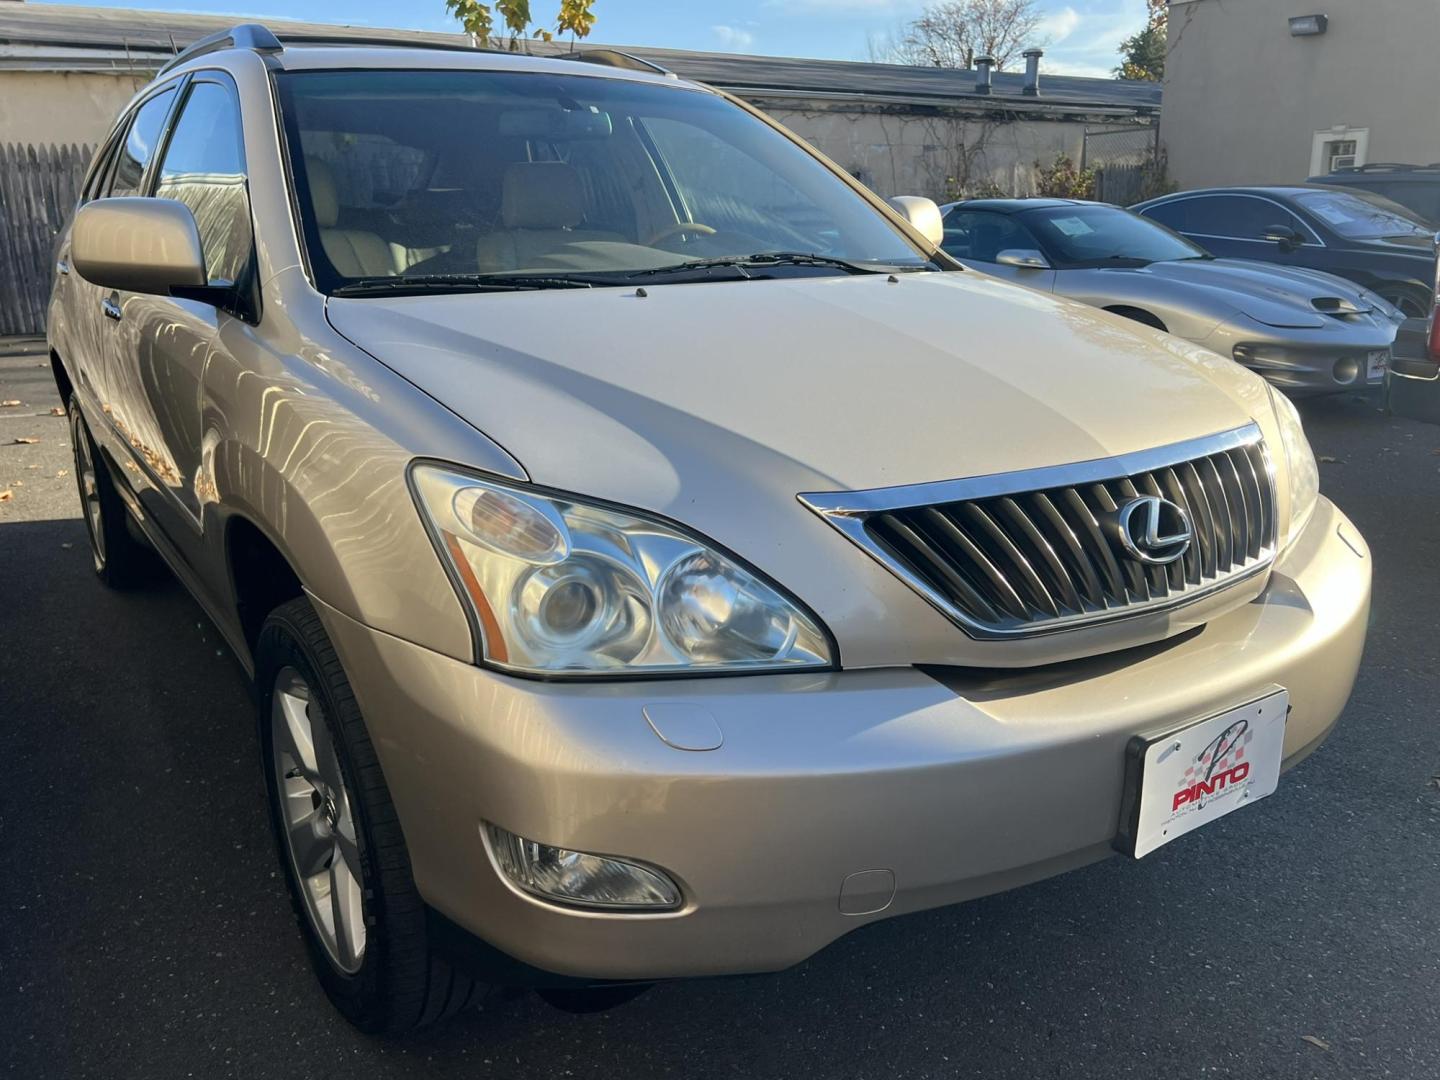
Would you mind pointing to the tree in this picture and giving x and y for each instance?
(953, 33)
(1142, 55)
(478, 19)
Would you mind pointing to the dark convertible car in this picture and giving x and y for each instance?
(1355, 234)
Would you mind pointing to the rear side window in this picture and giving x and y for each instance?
(204, 168)
(138, 146)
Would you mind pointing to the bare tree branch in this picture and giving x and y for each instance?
(951, 34)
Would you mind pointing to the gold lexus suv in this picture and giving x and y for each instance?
(653, 556)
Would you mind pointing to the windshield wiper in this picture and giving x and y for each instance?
(765, 260)
(476, 283)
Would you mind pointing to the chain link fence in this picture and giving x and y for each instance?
(1125, 159)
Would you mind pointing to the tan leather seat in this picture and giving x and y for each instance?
(541, 204)
(353, 252)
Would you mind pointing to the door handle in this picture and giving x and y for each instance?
(111, 307)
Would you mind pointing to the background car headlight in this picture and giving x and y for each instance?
(1302, 475)
(562, 586)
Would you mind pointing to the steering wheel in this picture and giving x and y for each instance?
(679, 228)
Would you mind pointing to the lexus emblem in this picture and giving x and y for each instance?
(1154, 530)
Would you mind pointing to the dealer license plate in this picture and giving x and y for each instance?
(1201, 771)
(1375, 365)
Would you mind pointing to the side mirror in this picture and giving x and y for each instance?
(922, 214)
(1024, 258)
(1286, 237)
(138, 245)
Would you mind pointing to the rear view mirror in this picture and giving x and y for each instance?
(563, 125)
(922, 214)
(1024, 258)
(138, 245)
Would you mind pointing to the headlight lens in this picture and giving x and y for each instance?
(560, 586)
(1301, 473)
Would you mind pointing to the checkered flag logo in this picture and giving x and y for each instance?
(1222, 754)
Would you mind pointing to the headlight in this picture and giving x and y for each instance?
(562, 586)
(1301, 473)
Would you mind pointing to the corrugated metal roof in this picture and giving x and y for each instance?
(63, 36)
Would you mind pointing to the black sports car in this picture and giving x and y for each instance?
(1355, 234)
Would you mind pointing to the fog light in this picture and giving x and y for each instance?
(574, 877)
(1347, 370)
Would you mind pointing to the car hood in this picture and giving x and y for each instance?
(1282, 296)
(804, 384)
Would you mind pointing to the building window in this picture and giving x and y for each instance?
(1339, 147)
(1340, 154)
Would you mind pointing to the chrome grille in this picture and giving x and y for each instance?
(1039, 551)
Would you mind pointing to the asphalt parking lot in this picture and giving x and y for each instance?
(144, 931)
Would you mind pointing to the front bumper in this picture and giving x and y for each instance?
(952, 784)
(1324, 368)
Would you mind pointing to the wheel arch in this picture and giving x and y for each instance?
(63, 383)
(261, 576)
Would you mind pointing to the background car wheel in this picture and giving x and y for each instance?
(339, 839)
(1413, 303)
(121, 560)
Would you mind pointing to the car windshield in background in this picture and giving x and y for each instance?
(1078, 236)
(449, 177)
(1361, 216)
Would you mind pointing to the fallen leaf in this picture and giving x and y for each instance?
(62, 472)
(1315, 1040)
(6, 495)
(58, 410)
(26, 440)
(10, 404)
(1328, 460)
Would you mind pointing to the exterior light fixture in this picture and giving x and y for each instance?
(1309, 25)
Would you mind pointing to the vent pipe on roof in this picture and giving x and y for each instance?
(1032, 71)
(983, 64)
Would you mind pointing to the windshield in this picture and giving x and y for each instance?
(1361, 216)
(457, 175)
(1078, 236)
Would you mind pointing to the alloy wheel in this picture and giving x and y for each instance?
(1410, 303)
(318, 820)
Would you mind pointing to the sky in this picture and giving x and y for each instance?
(1080, 36)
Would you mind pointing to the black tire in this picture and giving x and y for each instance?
(400, 984)
(122, 561)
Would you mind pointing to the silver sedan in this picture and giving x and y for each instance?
(1306, 331)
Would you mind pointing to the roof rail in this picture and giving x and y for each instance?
(617, 59)
(1383, 166)
(251, 36)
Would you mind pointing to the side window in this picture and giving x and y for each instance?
(204, 168)
(1173, 215)
(981, 236)
(100, 171)
(1236, 216)
(139, 144)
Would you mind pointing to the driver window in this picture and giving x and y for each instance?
(980, 237)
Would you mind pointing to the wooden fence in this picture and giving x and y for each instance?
(39, 186)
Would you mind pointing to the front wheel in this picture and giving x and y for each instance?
(339, 840)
